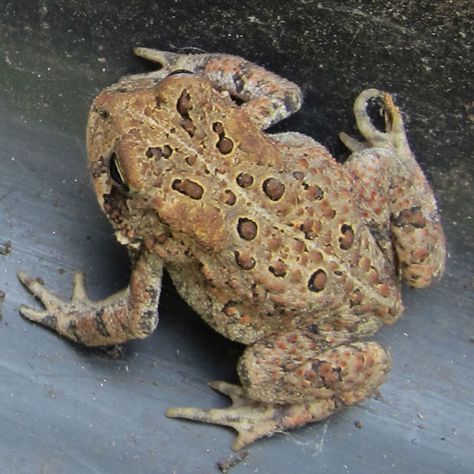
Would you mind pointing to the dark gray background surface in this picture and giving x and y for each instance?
(65, 409)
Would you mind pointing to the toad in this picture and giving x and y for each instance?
(269, 239)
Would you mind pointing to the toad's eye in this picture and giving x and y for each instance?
(115, 173)
(180, 71)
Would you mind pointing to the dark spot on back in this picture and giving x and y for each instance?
(318, 280)
(347, 238)
(245, 261)
(247, 228)
(188, 188)
(230, 197)
(244, 180)
(184, 103)
(273, 188)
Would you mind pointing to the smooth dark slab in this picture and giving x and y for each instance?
(68, 409)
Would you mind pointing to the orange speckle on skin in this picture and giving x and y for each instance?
(292, 338)
(149, 243)
(310, 374)
(281, 345)
(296, 276)
(420, 254)
(384, 290)
(364, 264)
(245, 319)
(274, 244)
(316, 256)
(374, 277)
(303, 163)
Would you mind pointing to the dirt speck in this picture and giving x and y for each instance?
(378, 395)
(2, 298)
(234, 460)
(6, 248)
(117, 351)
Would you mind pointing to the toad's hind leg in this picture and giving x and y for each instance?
(400, 203)
(294, 378)
(265, 96)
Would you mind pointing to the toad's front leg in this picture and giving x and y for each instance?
(129, 314)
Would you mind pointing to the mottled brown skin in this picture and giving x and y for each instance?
(267, 237)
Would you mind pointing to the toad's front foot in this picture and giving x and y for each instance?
(58, 315)
(128, 314)
(252, 419)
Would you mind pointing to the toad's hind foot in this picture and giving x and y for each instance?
(252, 419)
(393, 136)
(395, 191)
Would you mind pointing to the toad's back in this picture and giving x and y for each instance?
(294, 245)
(260, 230)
